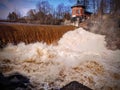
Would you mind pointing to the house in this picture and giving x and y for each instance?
(79, 13)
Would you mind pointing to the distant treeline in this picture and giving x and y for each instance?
(45, 13)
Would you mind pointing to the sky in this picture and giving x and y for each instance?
(23, 6)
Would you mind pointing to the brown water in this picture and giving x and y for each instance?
(79, 56)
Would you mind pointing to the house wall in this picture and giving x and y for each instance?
(77, 11)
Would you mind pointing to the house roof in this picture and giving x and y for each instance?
(78, 5)
(87, 12)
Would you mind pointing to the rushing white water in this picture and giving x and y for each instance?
(79, 56)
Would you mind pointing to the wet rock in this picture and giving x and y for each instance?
(14, 82)
(74, 85)
(2, 44)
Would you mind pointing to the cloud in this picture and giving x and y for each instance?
(22, 6)
(2, 6)
(3, 10)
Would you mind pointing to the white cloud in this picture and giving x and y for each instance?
(20, 5)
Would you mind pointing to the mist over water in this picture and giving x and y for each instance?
(79, 56)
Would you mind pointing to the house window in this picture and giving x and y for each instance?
(79, 11)
(73, 12)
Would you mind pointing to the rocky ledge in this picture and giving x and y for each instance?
(20, 82)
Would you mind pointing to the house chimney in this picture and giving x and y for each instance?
(78, 1)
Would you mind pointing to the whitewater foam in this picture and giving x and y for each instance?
(79, 56)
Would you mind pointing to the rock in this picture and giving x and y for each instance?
(74, 85)
(18, 78)
(2, 44)
(3, 81)
(14, 82)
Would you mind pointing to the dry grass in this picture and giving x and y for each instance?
(16, 33)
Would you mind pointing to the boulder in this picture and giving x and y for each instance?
(14, 82)
(74, 85)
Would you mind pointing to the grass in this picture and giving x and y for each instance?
(16, 33)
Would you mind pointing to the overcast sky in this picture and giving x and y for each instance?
(23, 6)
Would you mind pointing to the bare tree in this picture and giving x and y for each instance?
(95, 5)
(31, 14)
(13, 16)
(60, 11)
(67, 16)
(44, 6)
(44, 9)
(115, 6)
